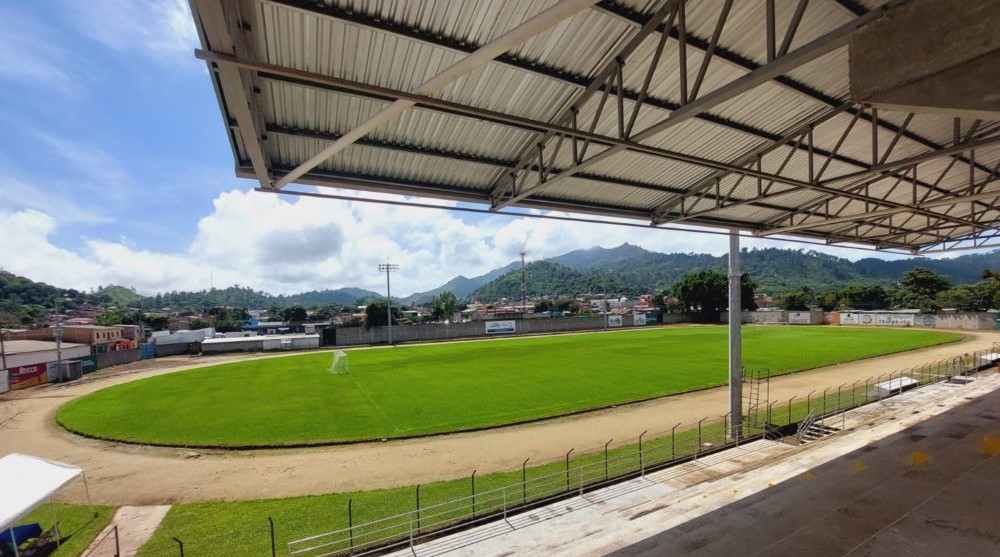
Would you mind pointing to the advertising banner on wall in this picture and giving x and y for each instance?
(875, 319)
(614, 321)
(89, 363)
(500, 327)
(639, 318)
(798, 317)
(27, 376)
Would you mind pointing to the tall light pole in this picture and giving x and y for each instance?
(388, 268)
(58, 333)
(523, 296)
(607, 306)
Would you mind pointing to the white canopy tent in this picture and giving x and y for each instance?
(28, 481)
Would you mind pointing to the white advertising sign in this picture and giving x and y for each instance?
(894, 319)
(639, 318)
(499, 327)
(614, 321)
(879, 319)
(798, 317)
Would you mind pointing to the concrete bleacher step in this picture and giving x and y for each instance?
(817, 431)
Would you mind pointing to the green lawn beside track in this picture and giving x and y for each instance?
(434, 388)
(78, 524)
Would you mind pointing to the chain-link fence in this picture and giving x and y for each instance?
(381, 520)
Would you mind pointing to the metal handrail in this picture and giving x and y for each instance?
(398, 530)
(805, 425)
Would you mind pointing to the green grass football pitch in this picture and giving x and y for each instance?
(421, 389)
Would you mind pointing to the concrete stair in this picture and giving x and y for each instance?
(816, 431)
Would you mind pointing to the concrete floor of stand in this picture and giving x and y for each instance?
(914, 475)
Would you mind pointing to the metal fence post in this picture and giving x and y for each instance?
(642, 466)
(824, 398)
(524, 481)
(567, 468)
(418, 509)
(606, 457)
(697, 449)
(350, 521)
(673, 442)
(790, 409)
(118, 548)
(274, 552)
(181, 545)
(769, 407)
(473, 494)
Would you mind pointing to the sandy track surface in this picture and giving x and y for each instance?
(135, 475)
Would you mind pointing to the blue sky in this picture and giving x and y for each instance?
(116, 169)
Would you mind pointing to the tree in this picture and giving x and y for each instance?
(543, 306)
(864, 297)
(706, 293)
(295, 313)
(566, 304)
(924, 282)
(199, 323)
(444, 305)
(828, 301)
(375, 314)
(919, 289)
(110, 318)
(795, 301)
(328, 311)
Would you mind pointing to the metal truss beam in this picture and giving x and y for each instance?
(915, 159)
(775, 68)
(510, 39)
(921, 208)
(602, 81)
(709, 47)
(397, 186)
(323, 82)
(887, 170)
(222, 32)
(489, 161)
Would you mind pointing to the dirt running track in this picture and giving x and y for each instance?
(132, 475)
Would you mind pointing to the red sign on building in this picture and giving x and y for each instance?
(28, 376)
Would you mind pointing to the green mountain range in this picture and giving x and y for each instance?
(624, 270)
(630, 270)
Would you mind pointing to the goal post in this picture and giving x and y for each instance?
(340, 365)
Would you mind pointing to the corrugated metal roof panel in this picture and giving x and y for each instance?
(364, 42)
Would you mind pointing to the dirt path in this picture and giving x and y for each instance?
(133, 475)
(135, 526)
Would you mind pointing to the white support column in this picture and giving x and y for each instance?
(735, 339)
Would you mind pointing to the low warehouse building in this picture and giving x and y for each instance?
(29, 361)
(260, 343)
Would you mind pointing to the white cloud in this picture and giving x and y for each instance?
(31, 54)
(23, 195)
(162, 30)
(286, 245)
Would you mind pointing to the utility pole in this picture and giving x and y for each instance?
(388, 268)
(58, 333)
(523, 291)
(3, 350)
(607, 306)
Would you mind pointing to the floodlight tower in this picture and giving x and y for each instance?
(388, 268)
(523, 297)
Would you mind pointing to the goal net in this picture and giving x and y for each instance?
(340, 365)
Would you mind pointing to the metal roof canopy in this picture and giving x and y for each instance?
(711, 113)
